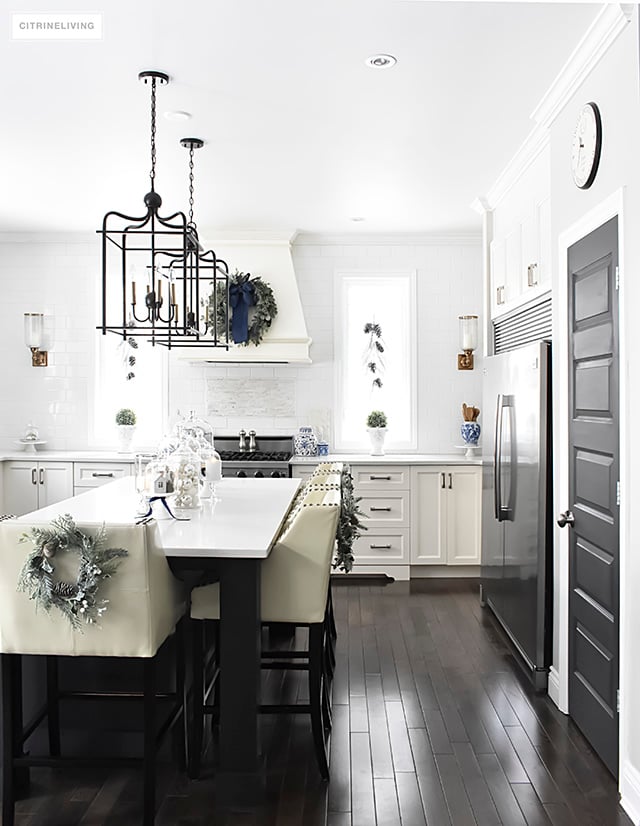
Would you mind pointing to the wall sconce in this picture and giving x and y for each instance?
(468, 340)
(33, 333)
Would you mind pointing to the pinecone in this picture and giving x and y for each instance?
(64, 589)
(49, 548)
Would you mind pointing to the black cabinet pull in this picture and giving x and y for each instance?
(380, 478)
(380, 547)
(42, 476)
(102, 475)
(442, 483)
(450, 481)
(33, 476)
(373, 508)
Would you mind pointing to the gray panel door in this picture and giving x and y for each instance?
(593, 486)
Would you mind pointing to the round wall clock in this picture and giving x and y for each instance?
(586, 146)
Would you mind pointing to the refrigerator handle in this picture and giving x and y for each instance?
(497, 460)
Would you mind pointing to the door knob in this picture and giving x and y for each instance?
(566, 518)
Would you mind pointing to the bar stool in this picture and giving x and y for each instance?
(146, 604)
(294, 588)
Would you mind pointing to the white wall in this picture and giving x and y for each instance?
(613, 85)
(449, 283)
(57, 278)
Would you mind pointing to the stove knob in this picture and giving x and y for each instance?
(241, 474)
(275, 474)
(259, 474)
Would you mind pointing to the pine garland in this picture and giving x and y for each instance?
(77, 601)
(349, 524)
(261, 314)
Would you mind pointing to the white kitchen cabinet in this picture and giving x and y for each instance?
(32, 485)
(520, 252)
(94, 474)
(303, 472)
(445, 508)
(385, 504)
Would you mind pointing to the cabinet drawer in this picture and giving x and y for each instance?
(385, 510)
(382, 546)
(92, 475)
(380, 477)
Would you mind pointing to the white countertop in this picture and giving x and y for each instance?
(68, 455)
(351, 458)
(241, 523)
(392, 459)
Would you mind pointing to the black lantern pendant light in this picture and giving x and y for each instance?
(153, 268)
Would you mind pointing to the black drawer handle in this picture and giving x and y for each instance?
(380, 478)
(102, 475)
(380, 547)
(372, 508)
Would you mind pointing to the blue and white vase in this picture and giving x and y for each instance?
(470, 432)
(305, 442)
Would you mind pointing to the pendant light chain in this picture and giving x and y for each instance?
(191, 221)
(152, 174)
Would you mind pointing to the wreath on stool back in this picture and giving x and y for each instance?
(253, 308)
(78, 600)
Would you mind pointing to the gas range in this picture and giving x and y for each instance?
(268, 457)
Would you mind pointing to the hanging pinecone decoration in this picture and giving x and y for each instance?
(49, 548)
(64, 589)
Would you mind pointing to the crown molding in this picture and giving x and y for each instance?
(398, 239)
(480, 205)
(536, 142)
(609, 22)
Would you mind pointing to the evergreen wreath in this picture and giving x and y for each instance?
(261, 313)
(78, 600)
(349, 524)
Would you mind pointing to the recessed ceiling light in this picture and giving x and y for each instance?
(357, 219)
(381, 61)
(177, 115)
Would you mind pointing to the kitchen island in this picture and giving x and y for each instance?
(230, 535)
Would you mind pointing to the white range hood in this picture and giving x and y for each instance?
(269, 256)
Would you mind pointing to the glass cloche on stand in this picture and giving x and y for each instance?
(184, 464)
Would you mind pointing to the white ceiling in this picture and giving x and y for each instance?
(300, 133)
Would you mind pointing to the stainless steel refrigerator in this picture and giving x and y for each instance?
(516, 501)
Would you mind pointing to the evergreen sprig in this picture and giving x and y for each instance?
(78, 601)
(349, 524)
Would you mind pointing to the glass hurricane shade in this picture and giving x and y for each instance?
(33, 329)
(468, 332)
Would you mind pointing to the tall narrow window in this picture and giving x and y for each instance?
(144, 393)
(386, 300)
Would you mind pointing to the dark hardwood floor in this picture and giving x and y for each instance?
(432, 725)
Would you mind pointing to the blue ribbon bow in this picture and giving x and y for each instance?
(241, 297)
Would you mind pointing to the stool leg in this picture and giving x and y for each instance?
(149, 755)
(179, 733)
(53, 707)
(197, 714)
(8, 739)
(316, 633)
(332, 620)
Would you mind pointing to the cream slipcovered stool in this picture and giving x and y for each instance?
(146, 603)
(295, 582)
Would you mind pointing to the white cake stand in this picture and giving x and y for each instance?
(469, 450)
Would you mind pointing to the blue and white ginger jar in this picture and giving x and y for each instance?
(470, 432)
(305, 442)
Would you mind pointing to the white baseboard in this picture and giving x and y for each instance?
(554, 688)
(630, 792)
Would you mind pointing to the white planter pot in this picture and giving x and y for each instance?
(376, 437)
(125, 437)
